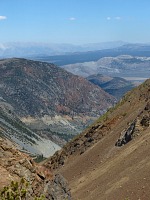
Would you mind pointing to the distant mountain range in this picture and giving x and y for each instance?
(17, 49)
(52, 102)
(135, 50)
(43, 106)
(120, 66)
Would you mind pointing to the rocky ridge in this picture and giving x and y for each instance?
(15, 165)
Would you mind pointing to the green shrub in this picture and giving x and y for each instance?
(17, 191)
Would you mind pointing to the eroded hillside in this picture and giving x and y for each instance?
(111, 159)
(14, 129)
(50, 100)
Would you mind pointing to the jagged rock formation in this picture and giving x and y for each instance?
(127, 135)
(141, 122)
(50, 100)
(15, 165)
(95, 168)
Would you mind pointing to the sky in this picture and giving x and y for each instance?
(74, 21)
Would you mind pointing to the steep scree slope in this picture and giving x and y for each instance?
(111, 159)
(11, 127)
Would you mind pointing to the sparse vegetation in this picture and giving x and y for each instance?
(18, 191)
(39, 158)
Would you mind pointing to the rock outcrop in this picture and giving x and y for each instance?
(126, 136)
(140, 123)
(15, 165)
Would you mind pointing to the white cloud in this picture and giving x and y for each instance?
(118, 18)
(108, 18)
(72, 18)
(3, 17)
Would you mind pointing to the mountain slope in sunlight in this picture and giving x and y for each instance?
(111, 159)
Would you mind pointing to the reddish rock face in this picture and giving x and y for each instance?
(15, 165)
(38, 88)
